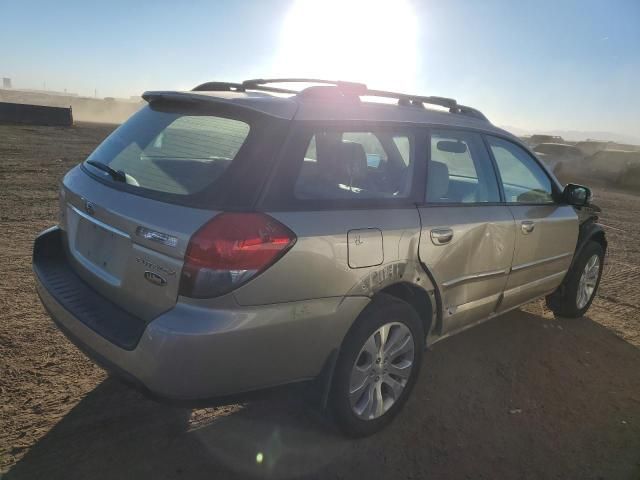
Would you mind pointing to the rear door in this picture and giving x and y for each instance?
(347, 190)
(468, 234)
(546, 231)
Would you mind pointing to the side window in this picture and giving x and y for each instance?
(460, 169)
(352, 165)
(523, 180)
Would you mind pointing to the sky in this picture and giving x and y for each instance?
(531, 65)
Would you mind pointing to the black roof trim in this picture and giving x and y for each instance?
(344, 89)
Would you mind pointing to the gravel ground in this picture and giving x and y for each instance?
(521, 396)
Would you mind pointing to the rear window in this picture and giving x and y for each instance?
(172, 153)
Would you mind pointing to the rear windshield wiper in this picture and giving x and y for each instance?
(117, 175)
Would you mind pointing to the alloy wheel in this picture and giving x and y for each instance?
(381, 370)
(588, 281)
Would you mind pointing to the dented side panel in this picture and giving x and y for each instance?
(321, 263)
(472, 266)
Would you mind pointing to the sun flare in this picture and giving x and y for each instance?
(372, 41)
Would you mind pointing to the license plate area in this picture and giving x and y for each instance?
(99, 247)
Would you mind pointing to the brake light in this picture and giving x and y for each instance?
(231, 249)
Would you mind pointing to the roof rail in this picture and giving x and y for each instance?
(237, 87)
(345, 88)
(218, 87)
(258, 82)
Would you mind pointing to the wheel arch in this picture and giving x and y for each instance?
(418, 298)
(421, 300)
(589, 231)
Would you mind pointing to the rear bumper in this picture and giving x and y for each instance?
(193, 352)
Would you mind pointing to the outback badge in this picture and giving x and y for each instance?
(155, 278)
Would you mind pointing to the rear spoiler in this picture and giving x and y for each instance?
(280, 108)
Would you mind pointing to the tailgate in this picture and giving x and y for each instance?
(128, 248)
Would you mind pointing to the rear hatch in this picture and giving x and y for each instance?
(131, 208)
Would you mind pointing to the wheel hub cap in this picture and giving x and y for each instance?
(381, 370)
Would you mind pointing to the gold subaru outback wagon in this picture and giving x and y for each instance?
(243, 236)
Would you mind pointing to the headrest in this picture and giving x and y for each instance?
(349, 161)
(437, 181)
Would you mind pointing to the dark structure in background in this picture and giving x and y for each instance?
(6, 82)
(85, 109)
(35, 114)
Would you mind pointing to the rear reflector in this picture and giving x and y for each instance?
(231, 249)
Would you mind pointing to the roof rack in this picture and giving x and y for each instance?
(350, 86)
(238, 87)
(345, 88)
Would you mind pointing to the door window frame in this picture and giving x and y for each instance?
(454, 129)
(556, 193)
(426, 132)
(279, 193)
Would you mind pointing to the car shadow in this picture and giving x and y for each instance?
(517, 397)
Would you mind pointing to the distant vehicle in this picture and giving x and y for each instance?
(559, 149)
(244, 236)
(555, 154)
(591, 147)
(536, 139)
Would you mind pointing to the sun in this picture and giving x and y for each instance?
(371, 41)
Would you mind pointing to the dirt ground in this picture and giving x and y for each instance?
(521, 396)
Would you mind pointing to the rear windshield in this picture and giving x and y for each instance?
(174, 153)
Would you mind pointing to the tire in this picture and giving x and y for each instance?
(405, 343)
(565, 302)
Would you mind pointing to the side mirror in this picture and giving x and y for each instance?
(577, 195)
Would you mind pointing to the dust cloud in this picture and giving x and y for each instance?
(85, 109)
(591, 161)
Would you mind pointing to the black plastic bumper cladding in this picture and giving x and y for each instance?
(52, 267)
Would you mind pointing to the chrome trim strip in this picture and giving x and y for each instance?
(474, 276)
(522, 266)
(99, 223)
(535, 283)
(432, 341)
(451, 311)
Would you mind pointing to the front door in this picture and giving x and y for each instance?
(546, 231)
(468, 234)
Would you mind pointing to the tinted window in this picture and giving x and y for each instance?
(172, 152)
(352, 165)
(523, 179)
(460, 169)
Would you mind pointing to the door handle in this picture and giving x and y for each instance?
(441, 236)
(527, 226)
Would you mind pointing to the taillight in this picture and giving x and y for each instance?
(229, 250)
